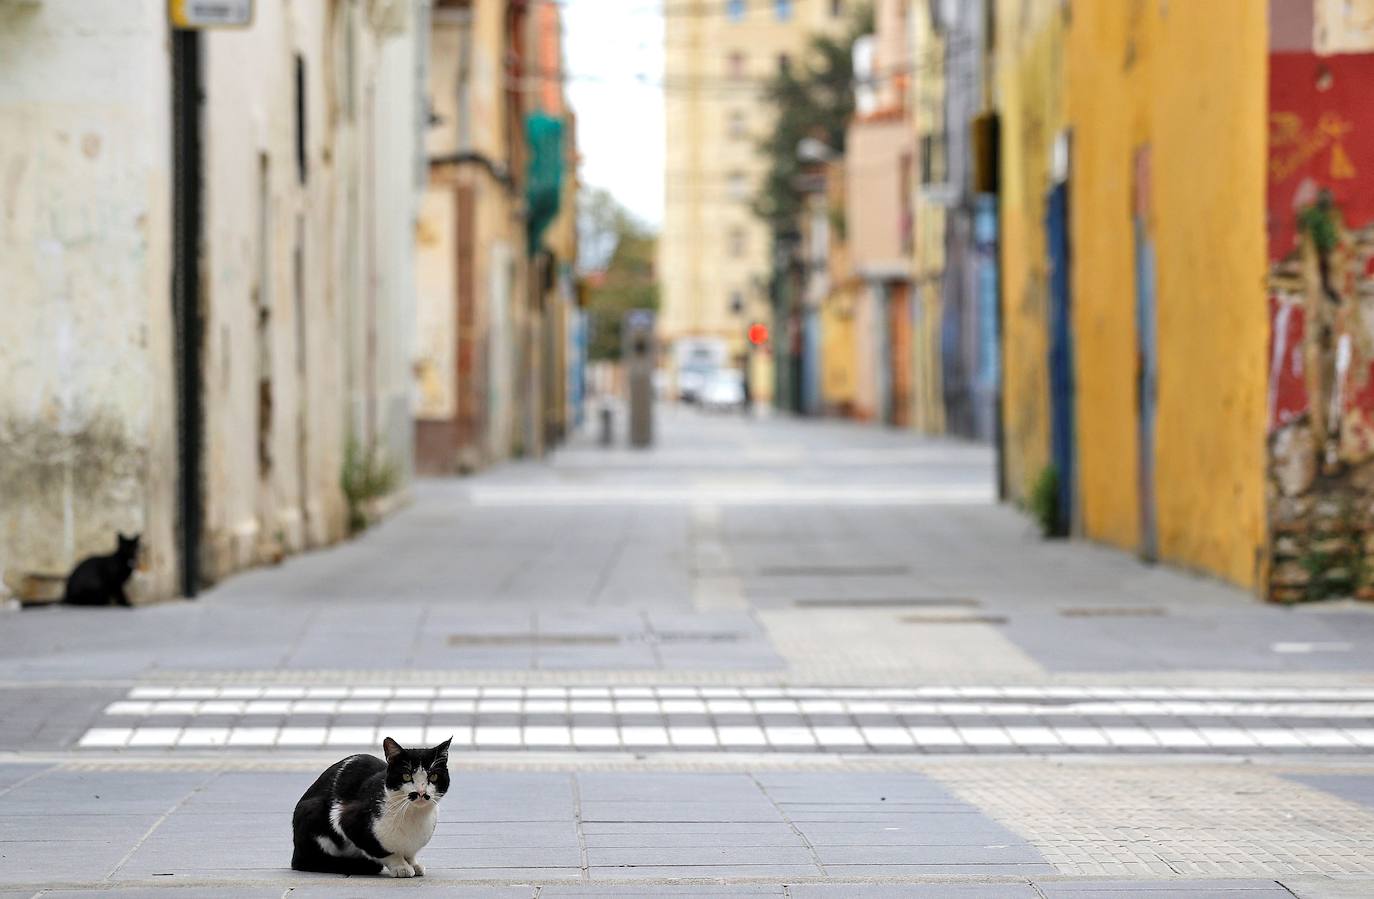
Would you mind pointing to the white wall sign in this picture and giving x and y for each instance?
(211, 13)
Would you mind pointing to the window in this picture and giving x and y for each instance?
(736, 243)
(737, 185)
(739, 124)
(783, 9)
(836, 8)
(784, 62)
(735, 64)
(734, 9)
(736, 301)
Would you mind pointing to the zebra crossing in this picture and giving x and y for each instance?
(927, 719)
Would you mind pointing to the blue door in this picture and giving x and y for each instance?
(1147, 367)
(1061, 354)
(987, 378)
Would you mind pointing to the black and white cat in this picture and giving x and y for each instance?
(367, 816)
(100, 580)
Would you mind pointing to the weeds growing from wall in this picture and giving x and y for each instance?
(367, 476)
(1043, 502)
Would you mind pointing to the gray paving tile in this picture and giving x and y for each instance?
(502, 857)
(705, 871)
(366, 888)
(938, 870)
(655, 811)
(665, 787)
(618, 891)
(698, 855)
(783, 836)
(730, 829)
(1200, 890)
(929, 855)
(912, 891)
(1153, 888)
(1357, 788)
(1317, 887)
(181, 892)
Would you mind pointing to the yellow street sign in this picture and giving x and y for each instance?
(197, 14)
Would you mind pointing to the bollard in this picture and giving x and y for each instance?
(640, 356)
(607, 425)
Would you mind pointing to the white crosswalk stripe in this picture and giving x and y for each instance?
(943, 719)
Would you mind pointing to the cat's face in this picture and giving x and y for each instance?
(128, 549)
(418, 775)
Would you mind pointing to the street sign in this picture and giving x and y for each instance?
(198, 14)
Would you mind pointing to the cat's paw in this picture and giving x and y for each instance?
(419, 869)
(400, 869)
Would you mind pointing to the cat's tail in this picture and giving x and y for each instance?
(322, 862)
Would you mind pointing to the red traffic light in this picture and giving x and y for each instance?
(758, 334)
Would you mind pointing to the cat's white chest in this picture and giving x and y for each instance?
(407, 830)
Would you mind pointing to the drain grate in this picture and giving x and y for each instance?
(834, 571)
(889, 602)
(1115, 612)
(954, 619)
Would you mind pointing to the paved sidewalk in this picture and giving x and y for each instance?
(772, 658)
(988, 827)
(794, 552)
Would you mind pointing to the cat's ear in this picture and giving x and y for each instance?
(441, 752)
(392, 749)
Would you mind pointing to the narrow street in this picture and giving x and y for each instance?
(768, 657)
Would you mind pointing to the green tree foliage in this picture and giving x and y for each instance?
(812, 98)
(618, 265)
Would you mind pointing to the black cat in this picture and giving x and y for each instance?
(100, 580)
(367, 816)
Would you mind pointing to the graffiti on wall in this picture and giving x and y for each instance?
(1320, 210)
(1321, 137)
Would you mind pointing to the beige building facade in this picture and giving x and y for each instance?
(204, 392)
(714, 252)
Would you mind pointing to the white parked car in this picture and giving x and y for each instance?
(724, 390)
(691, 383)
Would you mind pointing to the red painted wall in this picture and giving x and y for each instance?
(1321, 135)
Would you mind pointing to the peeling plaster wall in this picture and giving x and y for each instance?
(308, 275)
(87, 416)
(1320, 410)
(308, 283)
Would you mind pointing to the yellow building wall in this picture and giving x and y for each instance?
(927, 413)
(1029, 87)
(838, 360)
(1188, 80)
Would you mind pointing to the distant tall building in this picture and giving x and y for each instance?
(714, 252)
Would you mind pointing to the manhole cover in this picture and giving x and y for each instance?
(954, 619)
(1115, 612)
